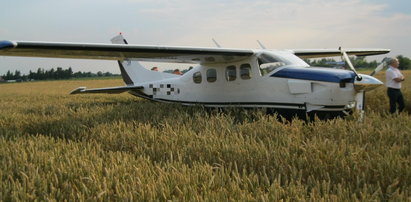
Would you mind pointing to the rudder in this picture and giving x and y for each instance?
(133, 72)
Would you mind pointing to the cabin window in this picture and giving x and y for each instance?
(211, 75)
(231, 73)
(197, 77)
(245, 71)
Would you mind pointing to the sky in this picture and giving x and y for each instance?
(278, 24)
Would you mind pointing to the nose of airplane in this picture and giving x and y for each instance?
(7, 44)
(367, 83)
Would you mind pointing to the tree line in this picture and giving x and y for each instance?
(52, 74)
(358, 62)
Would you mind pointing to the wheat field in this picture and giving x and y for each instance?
(55, 146)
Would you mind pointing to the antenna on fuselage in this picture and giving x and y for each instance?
(215, 42)
(261, 45)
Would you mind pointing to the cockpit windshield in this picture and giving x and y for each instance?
(269, 61)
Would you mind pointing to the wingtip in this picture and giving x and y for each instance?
(7, 44)
(77, 90)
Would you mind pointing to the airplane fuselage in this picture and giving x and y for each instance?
(290, 85)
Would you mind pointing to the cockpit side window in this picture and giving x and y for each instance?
(268, 63)
(231, 73)
(266, 58)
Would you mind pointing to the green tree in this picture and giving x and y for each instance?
(40, 74)
(59, 73)
(9, 75)
(17, 75)
(69, 73)
(405, 63)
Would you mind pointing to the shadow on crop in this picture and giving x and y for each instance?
(73, 120)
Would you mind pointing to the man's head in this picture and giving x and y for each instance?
(393, 62)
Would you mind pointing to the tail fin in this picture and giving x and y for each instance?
(119, 39)
(133, 72)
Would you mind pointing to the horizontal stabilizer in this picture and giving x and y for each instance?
(110, 90)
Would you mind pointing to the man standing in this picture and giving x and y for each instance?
(393, 82)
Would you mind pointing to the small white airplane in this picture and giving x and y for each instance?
(278, 80)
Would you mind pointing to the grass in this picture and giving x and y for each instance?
(55, 146)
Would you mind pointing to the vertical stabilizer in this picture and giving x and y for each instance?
(133, 72)
(119, 39)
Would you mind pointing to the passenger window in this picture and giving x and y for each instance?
(211, 75)
(245, 71)
(231, 73)
(197, 77)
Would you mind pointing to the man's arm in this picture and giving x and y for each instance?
(399, 79)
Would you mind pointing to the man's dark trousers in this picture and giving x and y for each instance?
(395, 96)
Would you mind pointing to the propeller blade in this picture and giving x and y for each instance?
(379, 67)
(348, 61)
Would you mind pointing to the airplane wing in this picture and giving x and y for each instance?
(103, 51)
(110, 90)
(317, 53)
(175, 54)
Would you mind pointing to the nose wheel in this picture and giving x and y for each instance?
(360, 103)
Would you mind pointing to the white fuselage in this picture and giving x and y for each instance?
(242, 84)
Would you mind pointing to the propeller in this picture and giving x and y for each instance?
(362, 84)
(379, 67)
(360, 96)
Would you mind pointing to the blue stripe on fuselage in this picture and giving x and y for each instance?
(316, 74)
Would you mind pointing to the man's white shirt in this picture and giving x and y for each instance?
(390, 75)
